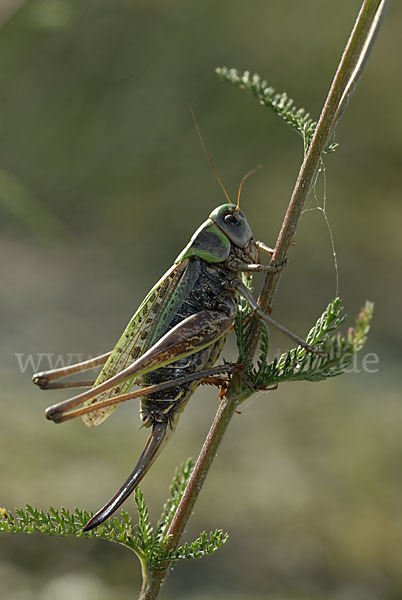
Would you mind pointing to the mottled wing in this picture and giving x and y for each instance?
(146, 326)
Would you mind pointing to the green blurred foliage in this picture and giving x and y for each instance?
(102, 182)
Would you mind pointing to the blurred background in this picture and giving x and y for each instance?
(102, 182)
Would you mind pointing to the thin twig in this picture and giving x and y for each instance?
(361, 64)
(353, 61)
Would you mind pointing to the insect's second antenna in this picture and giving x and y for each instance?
(211, 164)
(242, 182)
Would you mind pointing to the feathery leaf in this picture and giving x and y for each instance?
(281, 104)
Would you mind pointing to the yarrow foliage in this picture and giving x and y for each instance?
(281, 104)
(298, 364)
(148, 543)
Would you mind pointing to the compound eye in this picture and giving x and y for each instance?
(232, 219)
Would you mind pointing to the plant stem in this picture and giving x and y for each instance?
(222, 418)
(350, 68)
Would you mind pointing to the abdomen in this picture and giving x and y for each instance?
(208, 292)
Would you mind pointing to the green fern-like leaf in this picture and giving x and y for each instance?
(62, 522)
(257, 373)
(203, 545)
(144, 528)
(357, 336)
(242, 325)
(150, 545)
(281, 104)
(180, 480)
(300, 365)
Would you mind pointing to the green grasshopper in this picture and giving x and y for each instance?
(172, 342)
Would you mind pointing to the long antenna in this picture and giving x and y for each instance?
(242, 181)
(211, 164)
